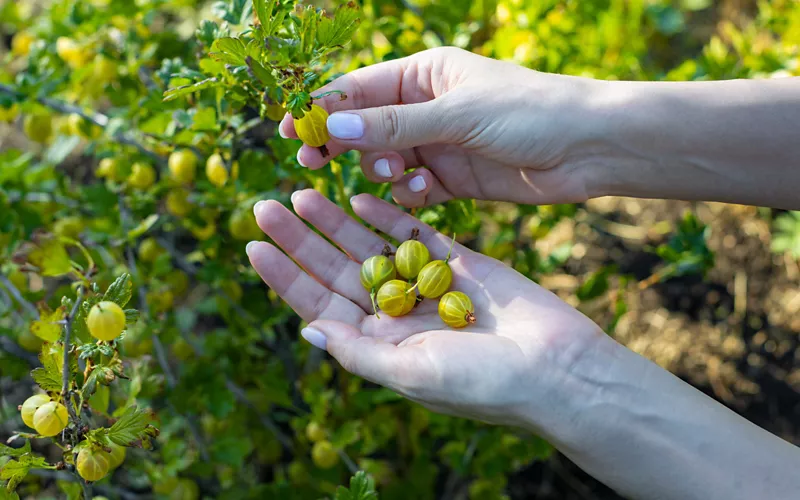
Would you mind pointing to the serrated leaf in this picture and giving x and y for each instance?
(16, 470)
(120, 290)
(47, 327)
(347, 434)
(131, 316)
(48, 376)
(7, 451)
(130, 428)
(338, 30)
(229, 50)
(183, 90)
(362, 487)
(260, 73)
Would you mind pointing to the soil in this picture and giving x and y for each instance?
(733, 334)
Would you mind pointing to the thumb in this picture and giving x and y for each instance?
(390, 128)
(368, 357)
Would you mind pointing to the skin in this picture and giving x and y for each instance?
(491, 130)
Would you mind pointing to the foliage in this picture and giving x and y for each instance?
(107, 90)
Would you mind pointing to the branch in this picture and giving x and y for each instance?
(96, 118)
(106, 490)
(241, 396)
(65, 369)
(29, 308)
(11, 347)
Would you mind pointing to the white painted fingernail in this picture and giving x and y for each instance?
(249, 247)
(257, 207)
(280, 131)
(382, 168)
(298, 158)
(417, 184)
(346, 125)
(352, 198)
(315, 337)
(294, 197)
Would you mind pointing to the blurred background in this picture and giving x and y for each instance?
(708, 291)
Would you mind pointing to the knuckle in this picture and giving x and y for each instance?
(392, 126)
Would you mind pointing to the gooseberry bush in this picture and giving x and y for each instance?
(148, 357)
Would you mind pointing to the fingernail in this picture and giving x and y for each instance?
(417, 184)
(294, 197)
(299, 160)
(346, 125)
(257, 207)
(382, 168)
(352, 198)
(280, 131)
(315, 337)
(249, 247)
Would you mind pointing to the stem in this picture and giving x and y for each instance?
(452, 244)
(342, 95)
(29, 308)
(65, 368)
(374, 306)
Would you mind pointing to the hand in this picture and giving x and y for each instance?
(499, 370)
(484, 129)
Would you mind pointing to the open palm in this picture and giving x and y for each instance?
(479, 371)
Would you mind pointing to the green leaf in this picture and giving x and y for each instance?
(47, 327)
(183, 90)
(48, 376)
(61, 148)
(596, 285)
(336, 31)
(131, 316)
(143, 226)
(72, 490)
(263, 10)
(100, 399)
(51, 257)
(229, 50)
(7, 451)
(204, 119)
(347, 434)
(120, 290)
(362, 487)
(16, 470)
(132, 426)
(8, 495)
(260, 73)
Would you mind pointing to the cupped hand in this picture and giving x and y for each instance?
(490, 371)
(484, 129)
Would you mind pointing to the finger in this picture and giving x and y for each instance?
(369, 357)
(355, 239)
(394, 127)
(397, 224)
(319, 258)
(419, 188)
(312, 158)
(303, 293)
(386, 166)
(286, 127)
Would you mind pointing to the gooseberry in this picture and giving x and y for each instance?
(375, 271)
(456, 310)
(275, 112)
(21, 43)
(243, 225)
(312, 128)
(182, 166)
(142, 176)
(106, 320)
(149, 250)
(435, 278)
(93, 464)
(215, 170)
(50, 419)
(108, 168)
(8, 114)
(29, 407)
(396, 298)
(411, 257)
(116, 455)
(38, 127)
(324, 455)
(315, 432)
(177, 202)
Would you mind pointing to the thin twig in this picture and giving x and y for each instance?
(65, 392)
(106, 490)
(29, 308)
(241, 396)
(96, 118)
(11, 347)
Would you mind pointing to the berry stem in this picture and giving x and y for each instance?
(374, 306)
(470, 318)
(450, 251)
(342, 95)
